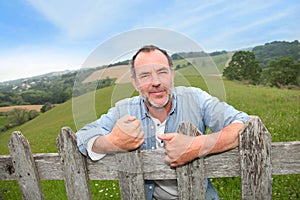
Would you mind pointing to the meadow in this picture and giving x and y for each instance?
(279, 110)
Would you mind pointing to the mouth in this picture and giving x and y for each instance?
(157, 93)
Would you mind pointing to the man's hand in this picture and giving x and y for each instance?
(181, 149)
(127, 134)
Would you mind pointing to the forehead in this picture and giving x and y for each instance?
(150, 58)
(148, 68)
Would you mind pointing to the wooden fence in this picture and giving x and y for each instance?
(255, 160)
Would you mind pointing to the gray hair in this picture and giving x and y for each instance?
(149, 48)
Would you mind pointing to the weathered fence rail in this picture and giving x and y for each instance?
(255, 161)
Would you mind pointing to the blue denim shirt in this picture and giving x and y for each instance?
(189, 104)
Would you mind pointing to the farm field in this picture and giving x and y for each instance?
(279, 110)
(28, 107)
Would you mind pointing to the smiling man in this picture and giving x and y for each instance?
(150, 121)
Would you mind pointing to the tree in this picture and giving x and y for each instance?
(47, 106)
(243, 67)
(282, 72)
(18, 116)
(35, 96)
(32, 114)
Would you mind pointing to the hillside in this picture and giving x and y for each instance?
(42, 131)
(274, 50)
(279, 110)
(120, 72)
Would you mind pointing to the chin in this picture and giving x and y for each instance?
(158, 104)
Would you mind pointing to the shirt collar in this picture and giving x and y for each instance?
(174, 102)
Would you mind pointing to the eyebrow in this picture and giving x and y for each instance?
(158, 70)
(163, 68)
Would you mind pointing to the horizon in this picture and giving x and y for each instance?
(72, 70)
(56, 36)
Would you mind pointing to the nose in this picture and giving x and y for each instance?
(155, 79)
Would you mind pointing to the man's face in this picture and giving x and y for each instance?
(154, 78)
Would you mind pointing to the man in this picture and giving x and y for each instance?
(150, 121)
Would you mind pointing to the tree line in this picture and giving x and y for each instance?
(54, 90)
(19, 116)
(273, 67)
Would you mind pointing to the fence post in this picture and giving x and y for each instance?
(73, 165)
(130, 172)
(25, 169)
(255, 154)
(190, 177)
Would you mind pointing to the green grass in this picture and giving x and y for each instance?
(3, 121)
(206, 63)
(279, 110)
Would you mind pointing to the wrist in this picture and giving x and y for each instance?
(111, 143)
(199, 144)
(103, 144)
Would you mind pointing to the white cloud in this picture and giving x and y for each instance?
(25, 62)
(79, 19)
(217, 25)
(258, 24)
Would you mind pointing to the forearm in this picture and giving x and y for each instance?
(226, 139)
(102, 145)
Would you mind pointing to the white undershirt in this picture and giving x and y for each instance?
(164, 189)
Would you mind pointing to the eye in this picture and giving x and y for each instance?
(143, 76)
(163, 71)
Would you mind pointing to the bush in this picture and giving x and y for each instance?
(32, 114)
(47, 106)
(17, 116)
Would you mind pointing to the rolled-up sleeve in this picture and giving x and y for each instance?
(85, 134)
(101, 126)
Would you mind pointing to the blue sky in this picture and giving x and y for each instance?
(38, 36)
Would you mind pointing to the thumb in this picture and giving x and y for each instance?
(167, 137)
(128, 118)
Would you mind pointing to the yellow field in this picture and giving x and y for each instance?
(28, 107)
(121, 72)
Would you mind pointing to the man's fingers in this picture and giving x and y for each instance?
(129, 125)
(172, 162)
(127, 119)
(140, 134)
(133, 120)
(167, 137)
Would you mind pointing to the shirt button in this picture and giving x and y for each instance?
(152, 127)
(150, 187)
(152, 148)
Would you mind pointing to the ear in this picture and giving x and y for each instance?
(134, 83)
(173, 74)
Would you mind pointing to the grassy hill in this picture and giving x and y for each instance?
(279, 110)
(274, 50)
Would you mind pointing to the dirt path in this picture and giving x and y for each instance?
(229, 59)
